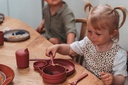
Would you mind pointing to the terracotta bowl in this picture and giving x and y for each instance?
(54, 74)
(9, 73)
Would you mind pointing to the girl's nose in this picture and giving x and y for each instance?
(92, 36)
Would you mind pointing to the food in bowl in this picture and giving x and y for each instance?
(16, 36)
(2, 77)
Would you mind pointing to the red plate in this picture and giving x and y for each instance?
(69, 66)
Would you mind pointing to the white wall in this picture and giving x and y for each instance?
(28, 11)
(4, 7)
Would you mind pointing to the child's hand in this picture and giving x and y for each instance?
(51, 51)
(107, 78)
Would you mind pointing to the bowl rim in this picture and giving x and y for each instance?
(35, 64)
(64, 72)
(52, 81)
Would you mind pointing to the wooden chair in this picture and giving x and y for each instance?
(83, 22)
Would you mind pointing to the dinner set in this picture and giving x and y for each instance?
(54, 74)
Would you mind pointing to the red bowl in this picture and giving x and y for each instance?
(53, 74)
(9, 73)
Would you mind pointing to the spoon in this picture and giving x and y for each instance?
(52, 59)
(78, 79)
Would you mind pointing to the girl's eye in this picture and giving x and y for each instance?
(89, 31)
(98, 34)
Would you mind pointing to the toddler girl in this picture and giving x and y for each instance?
(102, 55)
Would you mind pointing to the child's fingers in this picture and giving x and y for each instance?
(104, 75)
(47, 53)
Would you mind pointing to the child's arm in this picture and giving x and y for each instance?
(110, 79)
(70, 38)
(63, 49)
(40, 29)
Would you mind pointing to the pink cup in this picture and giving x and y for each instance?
(1, 38)
(22, 58)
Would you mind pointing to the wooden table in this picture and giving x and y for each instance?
(36, 45)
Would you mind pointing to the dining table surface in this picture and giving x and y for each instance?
(36, 45)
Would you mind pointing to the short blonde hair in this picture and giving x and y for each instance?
(106, 17)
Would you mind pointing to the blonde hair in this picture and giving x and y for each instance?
(106, 17)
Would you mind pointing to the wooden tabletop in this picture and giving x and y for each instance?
(36, 45)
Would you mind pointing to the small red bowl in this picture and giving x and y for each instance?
(54, 74)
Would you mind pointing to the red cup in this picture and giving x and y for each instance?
(1, 38)
(22, 58)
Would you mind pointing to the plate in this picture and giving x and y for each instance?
(16, 35)
(68, 65)
(2, 77)
(9, 73)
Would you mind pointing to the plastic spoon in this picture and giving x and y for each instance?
(52, 59)
(78, 79)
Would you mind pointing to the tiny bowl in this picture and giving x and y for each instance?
(54, 74)
(39, 64)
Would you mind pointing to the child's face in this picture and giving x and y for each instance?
(98, 37)
(53, 2)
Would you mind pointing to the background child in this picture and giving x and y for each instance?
(102, 55)
(59, 22)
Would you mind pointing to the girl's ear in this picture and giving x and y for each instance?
(115, 32)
